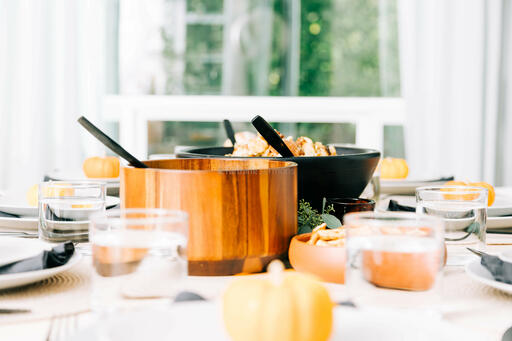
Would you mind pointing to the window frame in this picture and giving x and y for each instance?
(369, 114)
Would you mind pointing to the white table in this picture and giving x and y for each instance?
(475, 307)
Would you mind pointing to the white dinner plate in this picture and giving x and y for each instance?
(112, 183)
(502, 205)
(499, 222)
(14, 249)
(60, 175)
(180, 322)
(29, 246)
(479, 273)
(17, 204)
(405, 187)
(22, 224)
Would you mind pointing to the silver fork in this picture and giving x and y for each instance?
(19, 234)
(62, 327)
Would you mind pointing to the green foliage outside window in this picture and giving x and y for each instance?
(347, 48)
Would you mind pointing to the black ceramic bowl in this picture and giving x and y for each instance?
(342, 175)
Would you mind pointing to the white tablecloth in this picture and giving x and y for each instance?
(473, 306)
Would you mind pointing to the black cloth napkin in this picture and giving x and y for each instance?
(500, 270)
(8, 215)
(57, 256)
(446, 178)
(395, 206)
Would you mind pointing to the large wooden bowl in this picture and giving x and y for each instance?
(242, 213)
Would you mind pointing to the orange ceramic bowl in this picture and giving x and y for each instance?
(325, 262)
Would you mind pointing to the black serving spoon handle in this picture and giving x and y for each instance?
(270, 135)
(111, 144)
(229, 131)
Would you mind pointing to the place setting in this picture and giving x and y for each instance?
(492, 270)
(19, 212)
(499, 213)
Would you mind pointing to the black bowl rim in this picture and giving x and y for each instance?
(366, 152)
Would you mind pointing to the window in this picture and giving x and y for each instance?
(310, 48)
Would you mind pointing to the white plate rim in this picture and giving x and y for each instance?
(35, 246)
(24, 278)
(470, 269)
(499, 222)
(21, 224)
(11, 209)
(70, 176)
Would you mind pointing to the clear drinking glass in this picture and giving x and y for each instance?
(137, 253)
(464, 211)
(394, 260)
(65, 208)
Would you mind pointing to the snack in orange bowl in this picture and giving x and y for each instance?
(491, 196)
(324, 258)
(393, 168)
(101, 167)
(285, 306)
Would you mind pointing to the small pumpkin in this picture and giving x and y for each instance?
(491, 196)
(101, 167)
(287, 307)
(393, 168)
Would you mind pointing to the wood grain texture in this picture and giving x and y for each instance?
(243, 213)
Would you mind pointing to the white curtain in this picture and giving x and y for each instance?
(450, 67)
(50, 73)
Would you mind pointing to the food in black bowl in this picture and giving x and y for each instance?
(345, 174)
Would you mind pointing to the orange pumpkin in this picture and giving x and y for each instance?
(490, 196)
(393, 168)
(285, 307)
(101, 167)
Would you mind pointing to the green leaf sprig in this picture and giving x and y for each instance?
(309, 218)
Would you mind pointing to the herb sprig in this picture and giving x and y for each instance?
(309, 218)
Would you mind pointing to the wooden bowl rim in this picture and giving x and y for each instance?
(284, 165)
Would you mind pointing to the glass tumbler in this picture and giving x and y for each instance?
(394, 261)
(65, 208)
(464, 211)
(137, 253)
